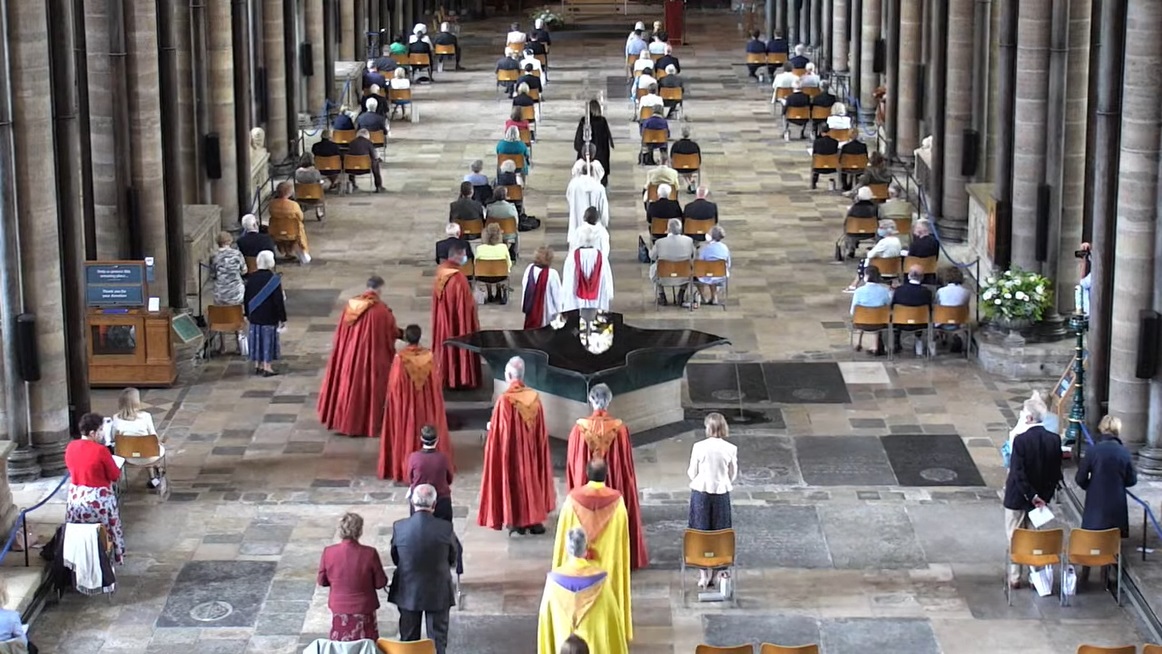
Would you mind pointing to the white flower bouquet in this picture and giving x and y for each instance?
(1016, 295)
(552, 19)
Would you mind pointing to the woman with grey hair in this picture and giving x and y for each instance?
(354, 573)
(227, 268)
(887, 247)
(602, 436)
(511, 144)
(713, 250)
(598, 619)
(265, 307)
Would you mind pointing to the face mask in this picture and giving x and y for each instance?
(881, 232)
(463, 259)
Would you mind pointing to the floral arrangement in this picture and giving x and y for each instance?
(552, 19)
(1016, 295)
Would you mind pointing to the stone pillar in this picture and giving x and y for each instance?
(856, 49)
(1076, 111)
(981, 87)
(869, 79)
(39, 237)
(346, 30)
(805, 21)
(188, 137)
(817, 23)
(907, 116)
(839, 36)
(359, 34)
(316, 92)
(224, 191)
(1135, 266)
(1029, 120)
(953, 218)
(826, 27)
(275, 58)
(109, 206)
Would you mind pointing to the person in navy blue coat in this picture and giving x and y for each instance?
(1105, 473)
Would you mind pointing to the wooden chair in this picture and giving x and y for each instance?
(470, 228)
(1098, 649)
(654, 137)
(851, 163)
(526, 136)
(517, 160)
(491, 273)
(544, 59)
(767, 648)
(889, 267)
(425, 646)
(1151, 649)
(825, 164)
(515, 192)
(795, 116)
(652, 193)
(798, 72)
(820, 114)
(660, 74)
(528, 113)
(645, 112)
(641, 93)
(419, 60)
(535, 94)
(140, 451)
(536, 73)
(671, 93)
(311, 195)
(673, 271)
(342, 137)
(860, 227)
(911, 319)
(903, 225)
(709, 550)
(865, 320)
(714, 268)
(504, 76)
(736, 649)
(686, 164)
(927, 264)
(658, 227)
(697, 229)
(469, 269)
(227, 318)
(401, 58)
(879, 191)
(812, 91)
(1088, 547)
(951, 320)
(1033, 548)
(445, 50)
(401, 100)
(776, 58)
(507, 225)
(756, 57)
(329, 166)
(355, 164)
(517, 47)
(782, 92)
(377, 138)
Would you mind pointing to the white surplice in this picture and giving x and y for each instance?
(552, 302)
(584, 192)
(570, 277)
(576, 238)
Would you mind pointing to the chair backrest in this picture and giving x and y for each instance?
(652, 193)
(660, 74)
(878, 316)
(903, 223)
(756, 57)
(528, 113)
(526, 135)
(544, 59)
(927, 264)
(767, 648)
(491, 268)
(812, 91)
(782, 92)
(445, 49)
(654, 136)
(1093, 548)
(425, 646)
(860, 225)
(398, 96)
(798, 72)
(419, 59)
(888, 266)
(710, 267)
(911, 316)
(308, 192)
(516, 46)
(251, 264)
(840, 135)
(469, 268)
(708, 549)
(1036, 547)
(1151, 649)
(695, 226)
(685, 162)
(536, 73)
(507, 225)
(678, 269)
(137, 447)
(645, 112)
(377, 138)
(401, 58)
(879, 191)
(642, 93)
(776, 58)
(357, 163)
(534, 94)
(329, 165)
(518, 160)
(658, 226)
(1098, 649)
(671, 92)
(824, 161)
(736, 649)
(342, 136)
(819, 112)
(504, 75)
(225, 317)
(852, 162)
(798, 113)
(470, 226)
(951, 316)
(514, 192)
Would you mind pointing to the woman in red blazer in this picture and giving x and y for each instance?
(354, 573)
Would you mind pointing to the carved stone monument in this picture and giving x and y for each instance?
(259, 167)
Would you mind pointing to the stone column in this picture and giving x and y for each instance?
(109, 206)
(1029, 119)
(275, 58)
(792, 23)
(856, 50)
(359, 34)
(839, 36)
(346, 30)
(826, 20)
(35, 186)
(817, 23)
(907, 117)
(316, 93)
(805, 21)
(188, 136)
(224, 191)
(953, 219)
(869, 79)
(1076, 111)
(1135, 266)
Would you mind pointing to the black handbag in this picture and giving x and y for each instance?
(643, 250)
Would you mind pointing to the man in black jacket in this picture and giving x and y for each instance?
(912, 293)
(1034, 474)
(424, 550)
(464, 207)
(825, 145)
(797, 99)
(444, 247)
(446, 37)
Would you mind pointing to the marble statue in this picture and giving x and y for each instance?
(259, 163)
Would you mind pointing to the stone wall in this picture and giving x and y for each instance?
(201, 223)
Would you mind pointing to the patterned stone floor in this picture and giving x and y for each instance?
(867, 507)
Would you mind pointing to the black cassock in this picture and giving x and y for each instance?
(602, 140)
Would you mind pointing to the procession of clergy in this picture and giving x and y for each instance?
(370, 389)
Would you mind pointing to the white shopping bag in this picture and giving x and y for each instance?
(243, 345)
(1069, 581)
(1042, 579)
(1040, 516)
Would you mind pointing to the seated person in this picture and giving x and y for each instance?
(286, 224)
(876, 172)
(656, 121)
(363, 145)
(421, 44)
(643, 81)
(133, 421)
(325, 147)
(530, 81)
(372, 93)
(511, 144)
(443, 247)
(635, 44)
(516, 119)
(492, 248)
(661, 174)
(863, 207)
(252, 241)
(797, 99)
(506, 176)
(912, 293)
(839, 118)
(371, 120)
(824, 98)
(777, 45)
(823, 144)
(306, 173)
(664, 207)
(398, 47)
(686, 145)
(644, 61)
(342, 120)
(446, 37)
(523, 99)
(784, 80)
(952, 294)
(756, 46)
(656, 46)
(800, 59)
(713, 250)
(508, 62)
(515, 36)
(701, 208)
(420, 35)
(501, 208)
(666, 60)
(672, 80)
(674, 246)
(537, 45)
(464, 207)
(810, 80)
(852, 147)
(887, 247)
(372, 76)
(650, 99)
(874, 294)
(530, 60)
(399, 80)
(481, 187)
(593, 219)
(923, 244)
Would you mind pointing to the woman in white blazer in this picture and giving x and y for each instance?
(713, 469)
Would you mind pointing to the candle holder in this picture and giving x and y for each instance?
(1079, 323)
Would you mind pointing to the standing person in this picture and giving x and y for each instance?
(600, 512)
(601, 435)
(517, 491)
(713, 469)
(541, 299)
(92, 473)
(1105, 473)
(583, 192)
(587, 277)
(354, 574)
(579, 600)
(1034, 473)
(454, 314)
(590, 228)
(433, 467)
(414, 400)
(354, 390)
(424, 550)
(599, 136)
(265, 308)
(227, 268)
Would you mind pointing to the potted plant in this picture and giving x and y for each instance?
(553, 20)
(1015, 299)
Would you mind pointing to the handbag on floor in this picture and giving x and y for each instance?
(643, 250)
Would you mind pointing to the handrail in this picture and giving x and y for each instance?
(1148, 514)
(22, 523)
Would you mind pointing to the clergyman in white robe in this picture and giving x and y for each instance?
(583, 192)
(587, 280)
(552, 302)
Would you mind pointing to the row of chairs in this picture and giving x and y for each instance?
(782, 92)
(773, 59)
(343, 137)
(889, 319)
(338, 165)
(848, 164)
(693, 227)
(686, 271)
(472, 229)
(861, 228)
(1086, 547)
(818, 114)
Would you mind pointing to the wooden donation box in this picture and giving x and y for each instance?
(128, 344)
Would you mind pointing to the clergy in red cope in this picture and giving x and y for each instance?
(517, 491)
(542, 290)
(601, 435)
(454, 314)
(351, 400)
(414, 399)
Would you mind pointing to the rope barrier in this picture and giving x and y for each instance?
(21, 525)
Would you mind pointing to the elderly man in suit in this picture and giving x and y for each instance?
(674, 246)
(912, 294)
(424, 550)
(1034, 474)
(465, 207)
